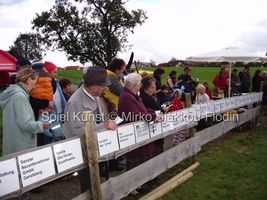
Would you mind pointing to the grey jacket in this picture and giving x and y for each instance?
(75, 122)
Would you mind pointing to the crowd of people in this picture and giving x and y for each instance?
(31, 103)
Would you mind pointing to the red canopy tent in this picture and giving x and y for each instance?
(7, 64)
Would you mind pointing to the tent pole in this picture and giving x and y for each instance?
(229, 84)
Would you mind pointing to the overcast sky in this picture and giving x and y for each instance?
(174, 28)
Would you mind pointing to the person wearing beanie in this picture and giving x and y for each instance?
(58, 97)
(22, 63)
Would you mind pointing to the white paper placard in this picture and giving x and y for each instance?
(237, 102)
(217, 106)
(9, 177)
(167, 124)
(141, 131)
(192, 114)
(203, 109)
(184, 115)
(126, 135)
(36, 166)
(210, 107)
(176, 119)
(68, 154)
(198, 110)
(155, 129)
(232, 102)
(228, 104)
(107, 142)
(222, 104)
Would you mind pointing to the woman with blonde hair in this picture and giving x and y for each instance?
(19, 125)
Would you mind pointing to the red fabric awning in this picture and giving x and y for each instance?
(7, 62)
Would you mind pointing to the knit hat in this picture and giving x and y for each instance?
(49, 66)
(38, 65)
(96, 76)
(22, 62)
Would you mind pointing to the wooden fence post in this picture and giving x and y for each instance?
(188, 103)
(91, 147)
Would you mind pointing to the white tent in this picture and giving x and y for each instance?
(231, 55)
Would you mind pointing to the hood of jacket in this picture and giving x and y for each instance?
(9, 92)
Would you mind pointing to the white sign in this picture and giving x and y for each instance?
(198, 111)
(222, 105)
(107, 142)
(36, 166)
(228, 104)
(166, 125)
(210, 107)
(141, 131)
(203, 109)
(191, 114)
(176, 118)
(232, 102)
(68, 154)
(155, 129)
(126, 136)
(9, 178)
(184, 117)
(217, 106)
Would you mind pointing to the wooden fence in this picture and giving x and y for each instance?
(68, 156)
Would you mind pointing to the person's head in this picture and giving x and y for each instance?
(224, 65)
(27, 78)
(206, 84)
(133, 82)
(234, 72)
(263, 74)
(51, 68)
(23, 63)
(158, 73)
(165, 89)
(149, 85)
(117, 66)
(177, 94)
(187, 70)
(246, 68)
(95, 80)
(172, 75)
(65, 85)
(257, 72)
(37, 65)
(200, 89)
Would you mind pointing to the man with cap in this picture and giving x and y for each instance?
(21, 63)
(86, 98)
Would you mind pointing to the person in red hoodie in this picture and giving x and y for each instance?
(207, 91)
(220, 81)
(176, 104)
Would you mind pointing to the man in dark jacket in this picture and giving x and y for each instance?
(245, 80)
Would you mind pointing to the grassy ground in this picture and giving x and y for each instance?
(232, 168)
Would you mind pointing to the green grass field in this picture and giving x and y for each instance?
(232, 168)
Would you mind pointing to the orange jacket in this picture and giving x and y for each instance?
(43, 89)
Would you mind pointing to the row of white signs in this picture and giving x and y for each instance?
(38, 165)
(125, 136)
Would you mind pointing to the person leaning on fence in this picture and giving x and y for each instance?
(256, 81)
(245, 80)
(235, 83)
(150, 100)
(130, 109)
(86, 98)
(176, 104)
(19, 125)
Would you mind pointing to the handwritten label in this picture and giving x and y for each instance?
(107, 142)
(68, 154)
(155, 129)
(9, 178)
(141, 131)
(126, 136)
(36, 166)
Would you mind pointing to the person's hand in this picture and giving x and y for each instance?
(159, 118)
(110, 124)
(165, 108)
(46, 124)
